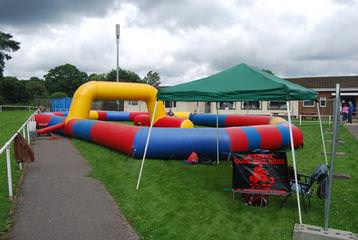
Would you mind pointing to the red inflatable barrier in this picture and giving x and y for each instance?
(242, 120)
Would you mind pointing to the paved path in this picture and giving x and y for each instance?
(353, 129)
(58, 201)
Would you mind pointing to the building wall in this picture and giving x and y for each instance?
(202, 107)
(130, 106)
(327, 110)
(263, 109)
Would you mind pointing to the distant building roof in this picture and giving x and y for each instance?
(326, 82)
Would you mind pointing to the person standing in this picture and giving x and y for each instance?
(350, 111)
(345, 110)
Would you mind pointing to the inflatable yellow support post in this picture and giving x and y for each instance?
(100, 90)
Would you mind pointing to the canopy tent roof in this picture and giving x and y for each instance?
(238, 83)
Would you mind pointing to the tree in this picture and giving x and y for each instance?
(13, 91)
(58, 95)
(152, 78)
(36, 88)
(6, 46)
(64, 78)
(97, 77)
(124, 76)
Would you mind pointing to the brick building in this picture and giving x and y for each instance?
(325, 88)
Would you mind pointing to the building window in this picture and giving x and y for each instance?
(308, 103)
(277, 105)
(134, 103)
(170, 104)
(323, 102)
(250, 105)
(227, 105)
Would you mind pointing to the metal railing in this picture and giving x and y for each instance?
(7, 148)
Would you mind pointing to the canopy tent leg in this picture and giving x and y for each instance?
(217, 135)
(196, 107)
(322, 134)
(294, 161)
(146, 145)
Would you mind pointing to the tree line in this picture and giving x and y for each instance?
(60, 81)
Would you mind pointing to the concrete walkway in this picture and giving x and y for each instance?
(353, 129)
(58, 201)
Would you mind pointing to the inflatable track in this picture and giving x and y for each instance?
(172, 137)
(176, 143)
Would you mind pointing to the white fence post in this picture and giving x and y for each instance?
(23, 133)
(300, 119)
(28, 133)
(9, 175)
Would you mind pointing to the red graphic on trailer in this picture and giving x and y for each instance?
(260, 178)
(260, 173)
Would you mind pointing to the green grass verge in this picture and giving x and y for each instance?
(179, 201)
(10, 121)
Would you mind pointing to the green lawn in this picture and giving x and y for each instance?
(10, 121)
(179, 201)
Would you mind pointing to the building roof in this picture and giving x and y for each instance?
(326, 82)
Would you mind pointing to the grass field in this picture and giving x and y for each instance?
(179, 201)
(10, 121)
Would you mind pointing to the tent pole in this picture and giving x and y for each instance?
(327, 203)
(217, 135)
(146, 145)
(322, 135)
(294, 161)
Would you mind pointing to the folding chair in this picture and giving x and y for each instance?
(305, 185)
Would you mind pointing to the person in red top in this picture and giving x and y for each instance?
(345, 111)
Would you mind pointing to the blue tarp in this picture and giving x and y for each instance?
(60, 104)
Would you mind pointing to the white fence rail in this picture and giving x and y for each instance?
(25, 130)
(2, 107)
(302, 118)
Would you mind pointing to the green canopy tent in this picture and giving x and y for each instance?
(238, 83)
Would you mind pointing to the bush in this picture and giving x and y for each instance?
(58, 95)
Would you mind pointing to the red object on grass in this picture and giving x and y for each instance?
(193, 158)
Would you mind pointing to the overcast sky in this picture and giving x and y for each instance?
(184, 39)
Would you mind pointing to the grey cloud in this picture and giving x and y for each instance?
(333, 40)
(286, 43)
(180, 14)
(38, 12)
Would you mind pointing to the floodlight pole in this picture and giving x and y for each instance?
(294, 161)
(117, 66)
(327, 203)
